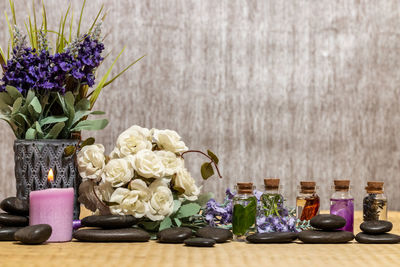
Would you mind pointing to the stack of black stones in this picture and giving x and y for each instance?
(376, 232)
(326, 233)
(14, 223)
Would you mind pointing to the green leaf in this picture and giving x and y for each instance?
(207, 170)
(213, 156)
(122, 72)
(69, 151)
(80, 114)
(35, 104)
(30, 134)
(244, 217)
(29, 97)
(90, 125)
(53, 119)
(80, 19)
(88, 142)
(6, 99)
(13, 92)
(82, 105)
(39, 130)
(188, 210)
(150, 226)
(204, 198)
(165, 224)
(177, 205)
(55, 131)
(17, 105)
(177, 222)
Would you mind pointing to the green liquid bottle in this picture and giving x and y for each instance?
(244, 212)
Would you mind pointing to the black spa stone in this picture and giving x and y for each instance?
(327, 222)
(277, 237)
(109, 221)
(325, 237)
(34, 234)
(218, 234)
(377, 238)
(13, 220)
(200, 242)
(16, 206)
(376, 227)
(7, 233)
(112, 235)
(174, 235)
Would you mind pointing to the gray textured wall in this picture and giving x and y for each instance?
(289, 89)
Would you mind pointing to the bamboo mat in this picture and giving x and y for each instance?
(229, 254)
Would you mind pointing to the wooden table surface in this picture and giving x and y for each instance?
(229, 254)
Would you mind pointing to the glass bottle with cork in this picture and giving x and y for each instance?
(342, 203)
(244, 211)
(375, 202)
(307, 202)
(272, 199)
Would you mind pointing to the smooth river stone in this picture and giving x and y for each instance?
(376, 227)
(276, 237)
(327, 222)
(377, 239)
(16, 206)
(34, 234)
(112, 235)
(174, 235)
(109, 221)
(7, 233)
(13, 220)
(325, 237)
(218, 234)
(200, 242)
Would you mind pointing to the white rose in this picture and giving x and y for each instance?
(161, 203)
(91, 161)
(131, 202)
(118, 171)
(132, 141)
(104, 191)
(171, 162)
(148, 165)
(169, 140)
(184, 180)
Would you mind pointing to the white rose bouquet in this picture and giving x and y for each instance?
(144, 176)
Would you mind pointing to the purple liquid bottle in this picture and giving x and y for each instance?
(342, 203)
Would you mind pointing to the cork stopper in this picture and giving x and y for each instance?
(374, 187)
(307, 187)
(245, 188)
(342, 185)
(271, 183)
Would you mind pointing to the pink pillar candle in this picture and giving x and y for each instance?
(54, 207)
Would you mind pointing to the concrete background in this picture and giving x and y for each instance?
(290, 89)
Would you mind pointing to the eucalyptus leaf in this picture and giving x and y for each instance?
(17, 105)
(213, 156)
(55, 131)
(177, 205)
(88, 142)
(165, 224)
(206, 170)
(90, 125)
(69, 151)
(80, 114)
(52, 119)
(150, 226)
(188, 210)
(204, 198)
(13, 92)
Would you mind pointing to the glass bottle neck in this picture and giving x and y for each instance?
(341, 195)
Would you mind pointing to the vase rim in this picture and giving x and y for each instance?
(46, 141)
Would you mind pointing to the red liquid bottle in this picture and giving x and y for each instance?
(307, 202)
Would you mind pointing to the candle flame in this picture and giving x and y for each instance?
(50, 176)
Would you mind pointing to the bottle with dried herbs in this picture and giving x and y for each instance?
(307, 202)
(272, 200)
(342, 203)
(375, 202)
(244, 211)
